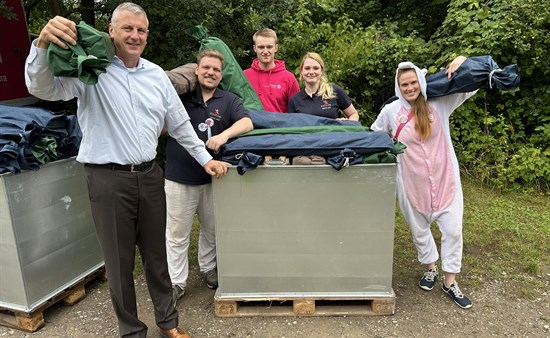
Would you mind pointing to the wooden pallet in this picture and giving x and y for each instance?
(281, 307)
(34, 320)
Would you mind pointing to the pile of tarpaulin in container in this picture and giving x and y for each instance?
(342, 142)
(31, 136)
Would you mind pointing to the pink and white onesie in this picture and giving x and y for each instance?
(428, 176)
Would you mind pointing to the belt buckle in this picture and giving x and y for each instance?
(132, 169)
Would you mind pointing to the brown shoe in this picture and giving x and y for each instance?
(176, 332)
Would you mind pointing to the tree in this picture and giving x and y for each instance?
(88, 11)
(502, 138)
(7, 11)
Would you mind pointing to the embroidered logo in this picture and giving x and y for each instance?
(326, 105)
(215, 115)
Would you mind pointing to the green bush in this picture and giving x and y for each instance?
(501, 138)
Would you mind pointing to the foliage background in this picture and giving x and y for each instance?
(501, 138)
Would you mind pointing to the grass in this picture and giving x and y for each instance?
(193, 249)
(506, 237)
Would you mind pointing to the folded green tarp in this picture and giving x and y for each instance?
(305, 130)
(86, 60)
(45, 150)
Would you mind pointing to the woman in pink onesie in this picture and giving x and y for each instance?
(428, 177)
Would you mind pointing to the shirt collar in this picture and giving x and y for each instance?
(117, 61)
(197, 95)
(305, 96)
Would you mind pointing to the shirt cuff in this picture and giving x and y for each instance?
(203, 157)
(38, 53)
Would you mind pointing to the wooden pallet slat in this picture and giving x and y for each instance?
(34, 320)
(309, 306)
(27, 322)
(75, 295)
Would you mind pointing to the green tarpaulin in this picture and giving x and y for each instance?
(233, 79)
(86, 60)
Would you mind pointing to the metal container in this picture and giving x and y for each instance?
(306, 231)
(47, 236)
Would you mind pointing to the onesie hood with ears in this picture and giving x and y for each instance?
(420, 74)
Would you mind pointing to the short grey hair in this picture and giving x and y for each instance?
(130, 7)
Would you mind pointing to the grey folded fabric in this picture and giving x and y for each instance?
(279, 160)
(183, 78)
(308, 160)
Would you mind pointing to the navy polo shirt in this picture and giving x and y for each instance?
(316, 105)
(220, 112)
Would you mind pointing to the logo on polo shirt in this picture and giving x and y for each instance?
(215, 115)
(326, 105)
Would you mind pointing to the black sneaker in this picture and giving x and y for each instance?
(177, 293)
(212, 278)
(458, 297)
(427, 282)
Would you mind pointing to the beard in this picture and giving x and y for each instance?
(208, 85)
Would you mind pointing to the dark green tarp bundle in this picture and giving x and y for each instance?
(233, 79)
(45, 150)
(86, 60)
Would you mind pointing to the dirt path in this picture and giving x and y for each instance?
(497, 312)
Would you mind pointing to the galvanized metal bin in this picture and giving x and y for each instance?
(306, 231)
(47, 236)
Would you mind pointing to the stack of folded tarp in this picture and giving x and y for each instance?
(341, 142)
(31, 136)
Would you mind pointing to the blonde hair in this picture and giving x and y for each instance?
(420, 110)
(209, 52)
(325, 88)
(266, 33)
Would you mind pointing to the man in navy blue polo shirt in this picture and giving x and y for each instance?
(217, 116)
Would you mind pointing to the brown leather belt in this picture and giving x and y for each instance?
(124, 167)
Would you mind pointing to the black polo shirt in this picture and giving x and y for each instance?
(315, 105)
(217, 114)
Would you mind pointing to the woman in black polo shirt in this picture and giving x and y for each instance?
(319, 97)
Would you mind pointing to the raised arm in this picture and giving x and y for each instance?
(55, 30)
(453, 66)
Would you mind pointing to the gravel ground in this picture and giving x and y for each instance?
(497, 312)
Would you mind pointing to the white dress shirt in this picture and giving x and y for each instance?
(122, 116)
